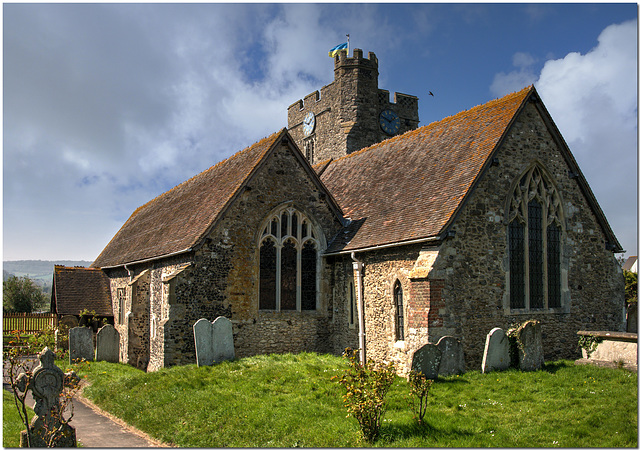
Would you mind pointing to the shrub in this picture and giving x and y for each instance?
(366, 386)
(589, 344)
(419, 387)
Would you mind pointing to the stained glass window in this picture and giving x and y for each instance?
(516, 263)
(288, 263)
(288, 276)
(535, 215)
(553, 265)
(268, 258)
(309, 262)
(397, 295)
(536, 274)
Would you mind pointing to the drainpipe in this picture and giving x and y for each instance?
(129, 272)
(357, 267)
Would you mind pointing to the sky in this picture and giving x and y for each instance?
(106, 106)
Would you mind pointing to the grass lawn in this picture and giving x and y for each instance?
(290, 401)
(11, 423)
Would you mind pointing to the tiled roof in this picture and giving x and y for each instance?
(409, 187)
(78, 288)
(176, 220)
(628, 265)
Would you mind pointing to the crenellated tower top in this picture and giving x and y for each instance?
(350, 113)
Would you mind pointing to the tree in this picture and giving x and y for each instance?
(630, 286)
(20, 294)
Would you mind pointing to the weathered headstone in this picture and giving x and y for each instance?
(46, 384)
(80, 344)
(496, 351)
(108, 344)
(427, 360)
(452, 362)
(531, 355)
(214, 341)
(68, 321)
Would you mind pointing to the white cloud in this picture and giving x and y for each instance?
(504, 83)
(593, 101)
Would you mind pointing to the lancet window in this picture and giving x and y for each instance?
(397, 297)
(289, 250)
(535, 230)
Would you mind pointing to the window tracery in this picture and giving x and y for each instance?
(288, 262)
(535, 228)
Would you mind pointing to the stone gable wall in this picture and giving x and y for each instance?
(474, 263)
(223, 279)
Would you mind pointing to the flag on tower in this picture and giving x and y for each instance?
(337, 48)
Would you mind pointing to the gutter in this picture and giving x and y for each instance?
(394, 244)
(155, 258)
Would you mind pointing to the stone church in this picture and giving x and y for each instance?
(354, 227)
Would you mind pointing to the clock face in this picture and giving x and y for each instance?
(309, 123)
(389, 122)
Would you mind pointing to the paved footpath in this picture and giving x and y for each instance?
(97, 428)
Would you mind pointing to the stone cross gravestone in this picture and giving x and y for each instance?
(214, 341)
(108, 344)
(496, 351)
(531, 355)
(46, 383)
(80, 344)
(452, 362)
(427, 360)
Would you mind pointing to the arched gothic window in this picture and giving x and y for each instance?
(535, 230)
(397, 299)
(288, 262)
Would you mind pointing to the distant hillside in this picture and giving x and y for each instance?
(39, 271)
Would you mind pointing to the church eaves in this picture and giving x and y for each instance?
(176, 221)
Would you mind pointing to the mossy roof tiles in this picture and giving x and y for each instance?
(409, 187)
(79, 288)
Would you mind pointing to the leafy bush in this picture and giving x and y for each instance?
(366, 385)
(419, 387)
(589, 344)
(630, 286)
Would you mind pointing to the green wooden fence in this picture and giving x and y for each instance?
(28, 322)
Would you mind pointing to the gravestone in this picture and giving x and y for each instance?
(496, 351)
(427, 360)
(46, 384)
(108, 344)
(531, 355)
(452, 362)
(214, 341)
(68, 321)
(80, 344)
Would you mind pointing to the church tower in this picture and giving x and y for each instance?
(350, 113)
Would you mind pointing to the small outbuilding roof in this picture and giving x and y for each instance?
(630, 263)
(78, 288)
